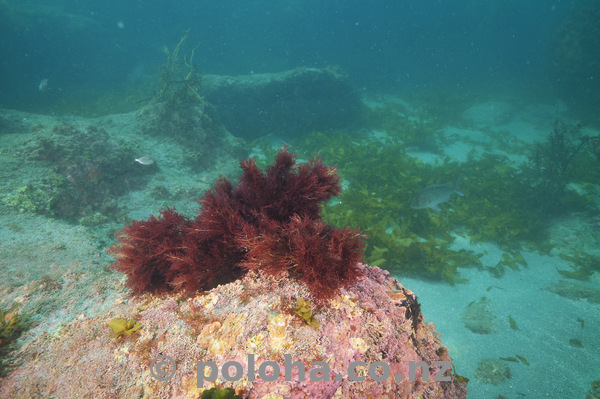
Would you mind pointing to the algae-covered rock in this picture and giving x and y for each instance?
(287, 103)
(478, 317)
(375, 320)
(594, 393)
(194, 124)
(575, 291)
(492, 371)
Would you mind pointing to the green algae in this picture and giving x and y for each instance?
(583, 264)
(512, 322)
(504, 203)
(575, 291)
(214, 393)
(303, 309)
(580, 274)
(594, 393)
(414, 131)
(123, 327)
(377, 199)
(523, 360)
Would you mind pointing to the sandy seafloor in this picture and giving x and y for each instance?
(33, 245)
(546, 321)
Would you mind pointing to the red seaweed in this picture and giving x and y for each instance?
(270, 221)
(146, 248)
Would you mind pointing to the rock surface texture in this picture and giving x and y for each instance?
(374, 320)
(287, 103)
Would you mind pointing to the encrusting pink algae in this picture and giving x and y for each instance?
(376, 319)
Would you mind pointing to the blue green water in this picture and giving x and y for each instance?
(103, 45)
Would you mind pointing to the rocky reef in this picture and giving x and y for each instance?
(256, 297)
(374, 320)
(289, 103)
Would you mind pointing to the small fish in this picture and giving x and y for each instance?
(576, 343)
(432, 196)
(43, 86)
(145, 160)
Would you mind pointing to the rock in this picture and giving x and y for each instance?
(287, 103)
(194, 125)
(489, 114)
(375, 320)
(492, 371)
(478, 317)
(575, 291)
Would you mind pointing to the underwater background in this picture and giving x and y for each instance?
(465, 134)
(98, 47)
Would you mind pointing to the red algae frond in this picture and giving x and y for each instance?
(270, 221)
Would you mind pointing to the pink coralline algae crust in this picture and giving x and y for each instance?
(376, 319)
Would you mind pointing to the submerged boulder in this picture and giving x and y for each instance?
(478, 317)
(252, 320)
(286, 103)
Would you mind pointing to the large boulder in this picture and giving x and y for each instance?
(375, 320)
(286, 103)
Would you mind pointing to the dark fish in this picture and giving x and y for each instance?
(432, 196)
(576, 343)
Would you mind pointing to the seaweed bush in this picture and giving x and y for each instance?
(494, 210)
(178, 111)
(504, 203)
(179, 80)
(382, 179)
(269, 222)
(565, 157)
(414, 131)
(380, 183)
